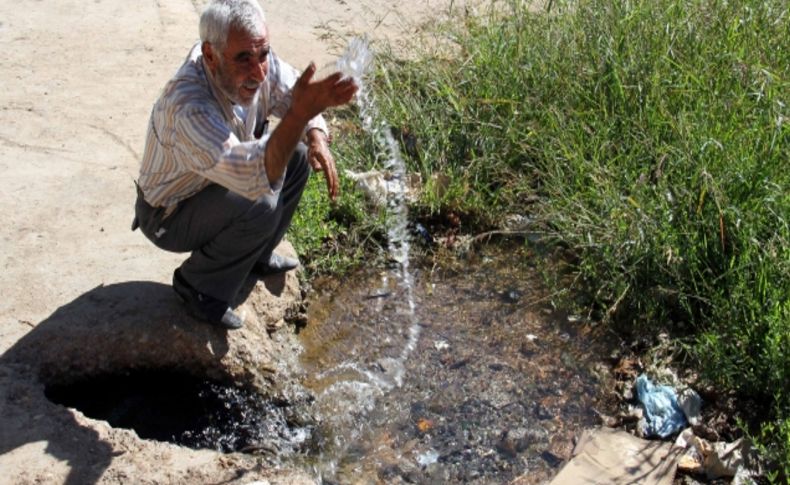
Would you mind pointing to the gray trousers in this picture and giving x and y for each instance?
(226, 233)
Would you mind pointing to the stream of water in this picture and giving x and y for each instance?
(496, 386)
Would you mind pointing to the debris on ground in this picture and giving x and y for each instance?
(708, 448)
(605, 455)
(713, 460)
(379, 185)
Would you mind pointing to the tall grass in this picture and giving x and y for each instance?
(655, 136)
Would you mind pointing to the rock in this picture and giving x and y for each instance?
(553, 460)
(141, 325)
(506, 445)
(132, 326)
(542, 412)
(512, 296)
(441, 345)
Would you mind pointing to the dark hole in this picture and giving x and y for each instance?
(179, 408)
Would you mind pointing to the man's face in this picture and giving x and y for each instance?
(242, 66)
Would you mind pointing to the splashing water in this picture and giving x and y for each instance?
(351, 382)
(356, 62)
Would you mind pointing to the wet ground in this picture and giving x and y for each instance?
(475, 380)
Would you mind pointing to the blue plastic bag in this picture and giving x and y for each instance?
(663, 414)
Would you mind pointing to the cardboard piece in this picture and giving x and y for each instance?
(608, 456)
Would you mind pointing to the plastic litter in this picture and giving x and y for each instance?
(691, 404)
(663, 415)
(378, 186)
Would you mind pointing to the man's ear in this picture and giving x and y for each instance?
(210, 55)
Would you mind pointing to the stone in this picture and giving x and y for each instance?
(125, 327)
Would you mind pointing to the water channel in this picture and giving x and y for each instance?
(496, 386)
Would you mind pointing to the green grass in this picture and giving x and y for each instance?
(654, 135)
(334, 237)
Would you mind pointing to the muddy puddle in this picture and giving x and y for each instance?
(465, 375)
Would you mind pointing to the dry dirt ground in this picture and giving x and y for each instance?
(78, 81)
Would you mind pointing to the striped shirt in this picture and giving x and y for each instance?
(197, 137)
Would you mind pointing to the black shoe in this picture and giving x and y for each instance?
(204, 307)
(275, 264)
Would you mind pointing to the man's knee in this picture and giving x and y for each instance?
(295, 178)
(263, 206)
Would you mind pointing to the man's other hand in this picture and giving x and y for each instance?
(321, 160)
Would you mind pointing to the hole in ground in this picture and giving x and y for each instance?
(177, 407)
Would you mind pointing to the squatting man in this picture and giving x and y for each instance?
(213, 181)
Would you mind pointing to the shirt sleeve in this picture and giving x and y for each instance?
(210, 148)
(282, 77)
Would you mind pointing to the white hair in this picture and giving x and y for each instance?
(222, 15)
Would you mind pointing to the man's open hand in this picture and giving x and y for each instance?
(312, 98)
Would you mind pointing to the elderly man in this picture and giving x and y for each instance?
(212, 180)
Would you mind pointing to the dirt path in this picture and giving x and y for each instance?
(79, 79)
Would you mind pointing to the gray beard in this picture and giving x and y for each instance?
(226, 86)
(227, 89)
